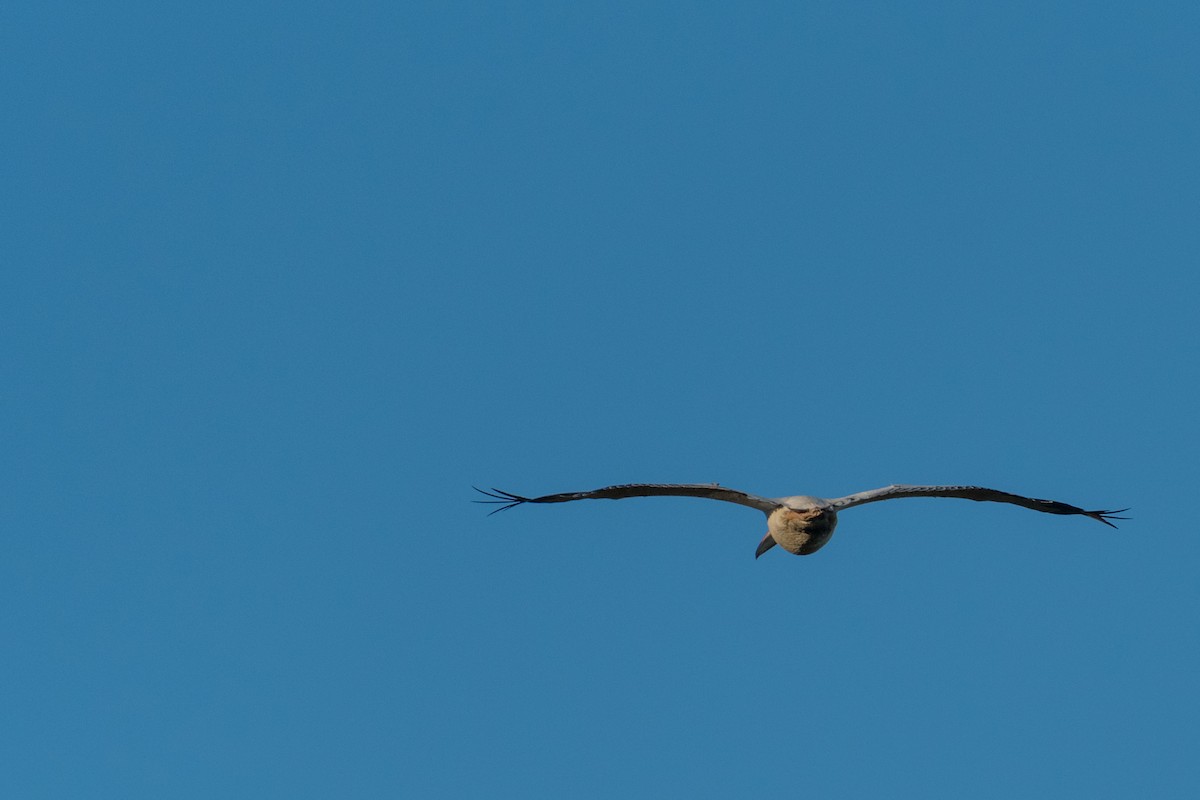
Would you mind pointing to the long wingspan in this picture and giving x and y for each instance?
(712, 491)
(973, 493)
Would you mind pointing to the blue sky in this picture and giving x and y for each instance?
(283, 281)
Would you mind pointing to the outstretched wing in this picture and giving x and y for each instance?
(973, 493)
(712, 491)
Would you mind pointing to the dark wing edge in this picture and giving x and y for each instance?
(506, 499)
(712, 491)
(977, 493)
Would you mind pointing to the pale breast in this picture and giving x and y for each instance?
(801, 532)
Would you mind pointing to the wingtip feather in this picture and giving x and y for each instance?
(505, 500)
(1107, 516)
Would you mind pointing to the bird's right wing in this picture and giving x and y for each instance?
(712, 491)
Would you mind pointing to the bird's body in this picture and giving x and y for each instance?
(800, 524)
(799, 531)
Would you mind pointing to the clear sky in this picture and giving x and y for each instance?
(282, 281)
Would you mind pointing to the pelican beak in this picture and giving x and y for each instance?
(766, 544)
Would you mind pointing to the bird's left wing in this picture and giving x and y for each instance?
(972, 493)
(712, 491)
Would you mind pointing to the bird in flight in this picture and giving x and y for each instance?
(800, 524)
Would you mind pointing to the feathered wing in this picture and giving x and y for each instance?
(712, 491)
(973, 493)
